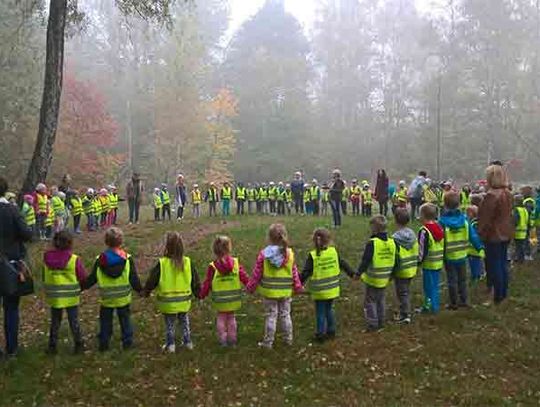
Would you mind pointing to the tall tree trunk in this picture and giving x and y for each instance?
(50, 102)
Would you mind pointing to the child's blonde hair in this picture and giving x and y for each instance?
(321, 239)
(174, 248)
(451, 200)
(472, 212)
(428, 212)
(222, 246)
(114, 237)
(378, 224)
(277, 235)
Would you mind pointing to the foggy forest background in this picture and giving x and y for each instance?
(372, 84)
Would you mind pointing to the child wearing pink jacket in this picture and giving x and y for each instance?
(275, 276)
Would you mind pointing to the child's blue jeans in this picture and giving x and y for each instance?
(326, 321)
(430, 279)
(106, 325)
(475, 264)
(519, 245)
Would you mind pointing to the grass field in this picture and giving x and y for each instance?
(486, 356)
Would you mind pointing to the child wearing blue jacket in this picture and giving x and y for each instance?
(458, 235)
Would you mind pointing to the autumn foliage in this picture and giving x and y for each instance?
(87, 139)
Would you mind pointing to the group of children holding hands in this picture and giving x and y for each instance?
(48, 210)
(449, 241)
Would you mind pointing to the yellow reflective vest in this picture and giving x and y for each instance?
(28, 214)
(408, 262)
(277, 282)
(522, 226)
(456, 243)
(174, 288)
(227, 289)
(382, 264)
(324, 283)
(434, 259)
(76, 206)
(114, 292)
(62, 289)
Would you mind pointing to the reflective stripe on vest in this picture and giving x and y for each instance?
(382, 264)
(277, 282)
(114, 292)
(408, 262)
(212, 195)
(196, 196)
(251, 194)
(29, 214)
(435, 256)
(263, 194)
(456, 243)
(522, 224)
(272, 193)
(104, 201)
(324, 283)
(472, 251)
(241, 193)
(166, 197)
(42, 203)
(227, 289)
(157, 201)
(76, 206)
(226, 193)
(113, 201)
(367, 197)
(62, 289)
(58, 206)
(174, 288)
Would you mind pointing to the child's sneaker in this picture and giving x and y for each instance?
(404, 321)
(189, 345)
(169, 348)
(264, 345)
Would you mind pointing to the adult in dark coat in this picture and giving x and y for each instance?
(180, 196)
(337, 186)
(134, 193)
(381, 192)
(13, 234)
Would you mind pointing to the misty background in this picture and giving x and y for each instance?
(253, 90)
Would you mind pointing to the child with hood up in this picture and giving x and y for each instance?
(116, 276)
(224, 279)
(63, 276)
(405, 238)
(276, 276)
(458, 235)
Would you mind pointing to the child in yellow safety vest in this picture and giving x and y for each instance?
(458, 236)
(275, 276)
(114, 200)
(157, 204)
(379, 261)
(105, 208)
(116, 276)
(41, 209)
(89, 209)
(407, 243)
(196, 199)
(325, 199)
(224, 279)
(76, 208)
(212, 197)
(367, 200)
(430, 256)
(322, 267)
(63, 275)
(28, 212)
(177, 282)
(521, 222)
(530, 204)
(356, 197)
(476, 257)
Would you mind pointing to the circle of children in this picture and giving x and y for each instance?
(447, 239)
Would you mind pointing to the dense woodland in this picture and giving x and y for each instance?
(373, 83)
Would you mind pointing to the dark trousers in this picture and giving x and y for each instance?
(76, 223)
(416, 203)
(456, 275)
(11, 323)
(326, 320)
(180, 212)
(250, 207)
(281, 207)
(166, 211)
(374, 307)
(56, 322)
(497, 269)
(356, 207)
(344, 207)
(272, 206)
(366, 209)
(106, 326)
(475, 264)
(240, 207)
(134, 207)
(520, 249)
(299, 203)
(157, 214)
(115, 216)
(403, 294)
(383, 208)
(336, 212)
(315, 207)
(212, 208)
